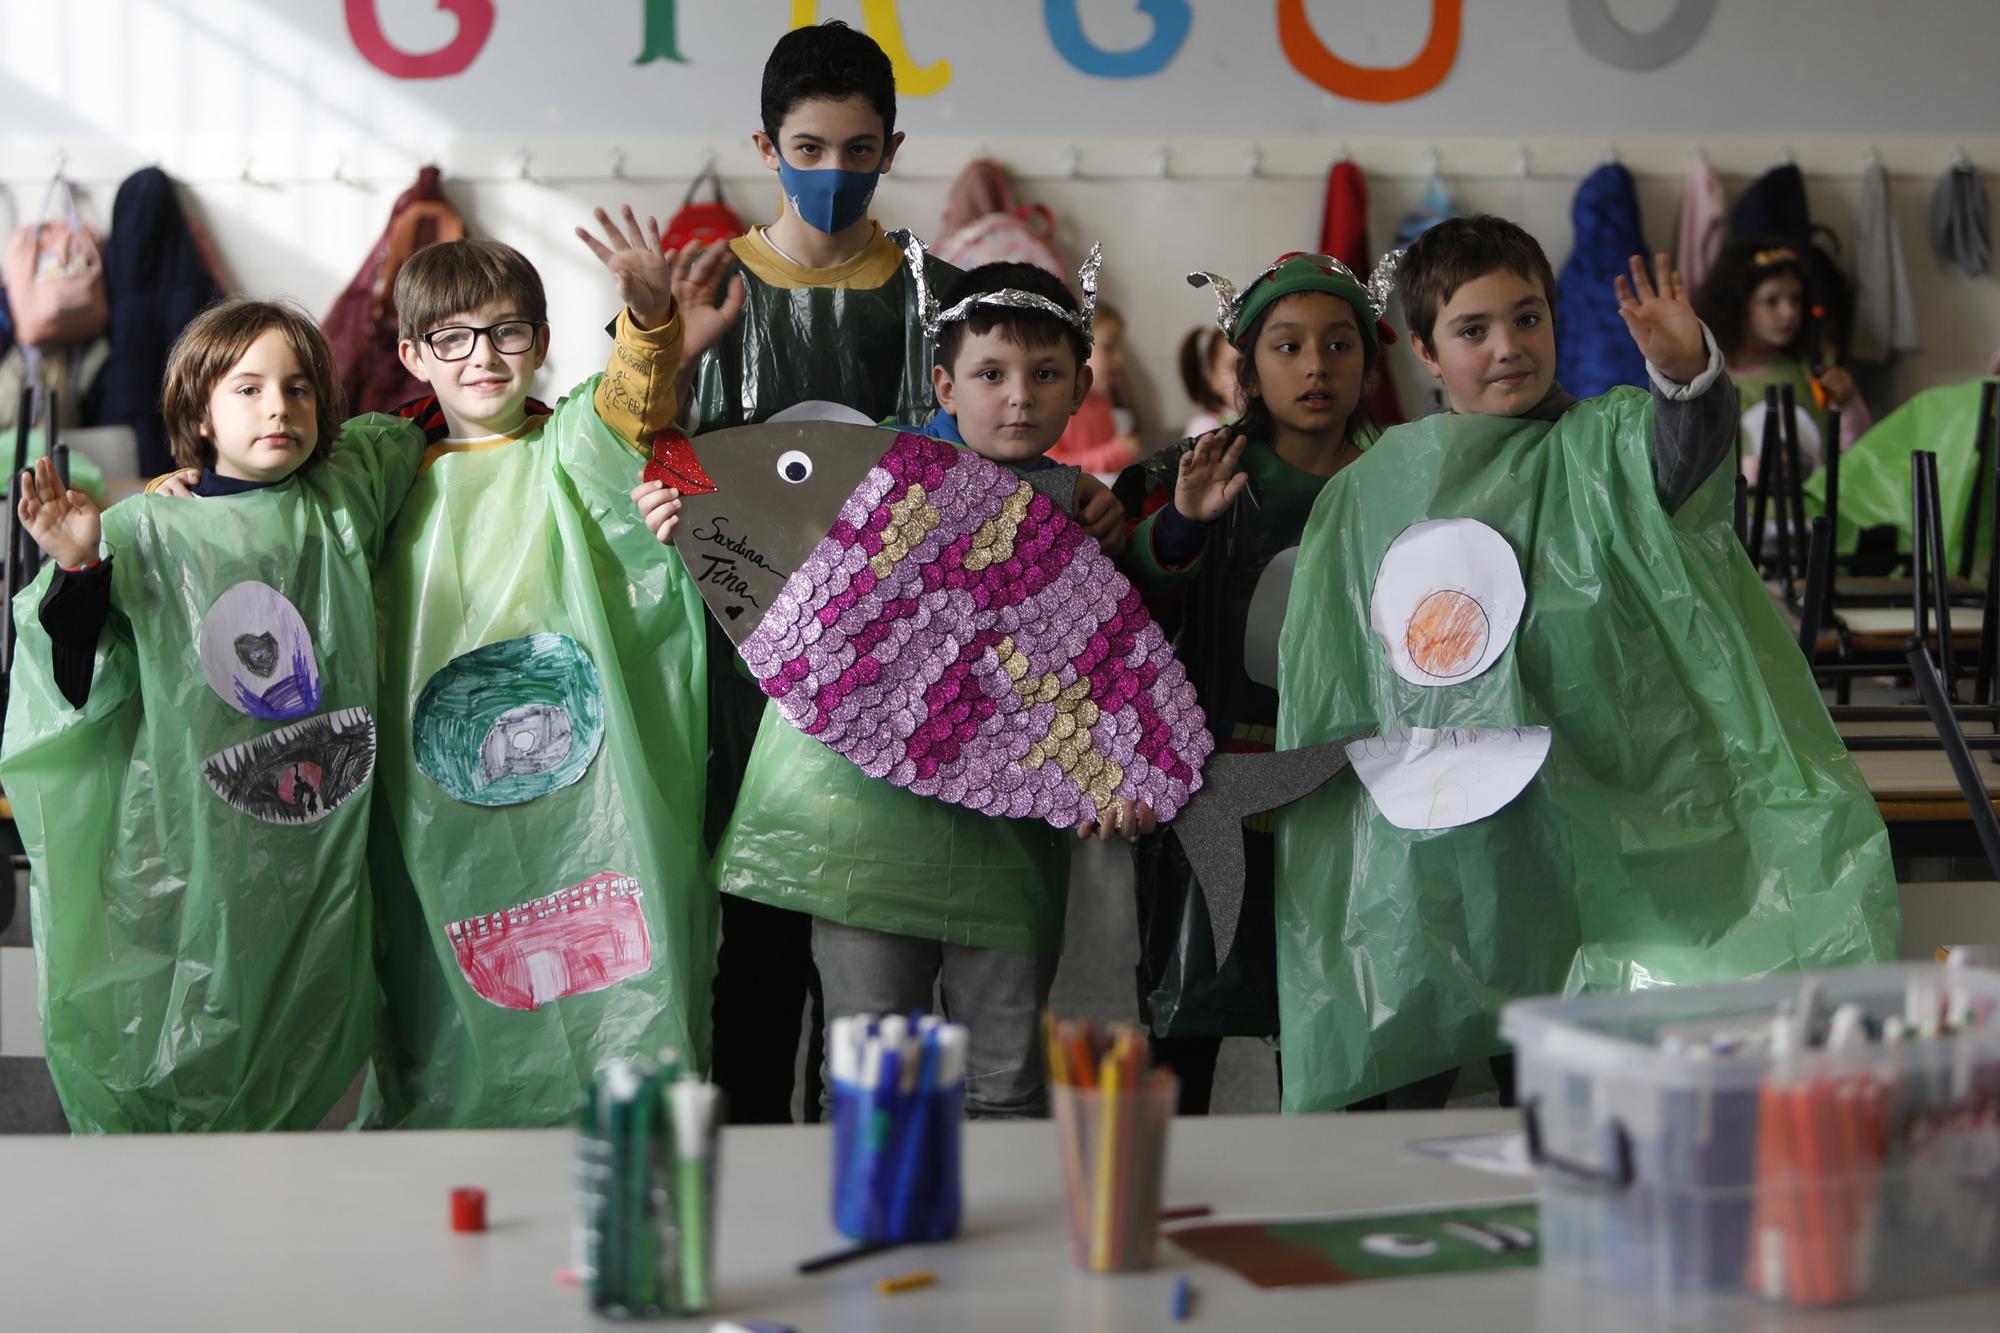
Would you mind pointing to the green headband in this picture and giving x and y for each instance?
(1299, 272)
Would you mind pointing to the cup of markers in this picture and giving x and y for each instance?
(1112, 1109)
(645, 1174)
(898, 1100)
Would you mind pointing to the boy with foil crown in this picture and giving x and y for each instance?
(905, 892)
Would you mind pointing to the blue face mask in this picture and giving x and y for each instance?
(829, 199)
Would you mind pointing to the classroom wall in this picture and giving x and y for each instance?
(292, 144)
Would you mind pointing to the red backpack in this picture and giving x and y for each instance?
(706, 222)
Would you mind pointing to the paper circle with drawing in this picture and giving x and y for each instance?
(511, 721)
(1438, 778)
(298, 774)
(1446, 600)
(258, 655)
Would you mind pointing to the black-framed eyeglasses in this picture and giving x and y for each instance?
(455, 342)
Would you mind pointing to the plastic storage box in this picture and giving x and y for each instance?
(1689, 1159)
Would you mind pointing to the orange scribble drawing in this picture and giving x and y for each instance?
(1447, 633)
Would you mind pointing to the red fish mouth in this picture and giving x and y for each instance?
(576, 940)
(674, 463)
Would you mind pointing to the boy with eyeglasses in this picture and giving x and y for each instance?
(536, 848)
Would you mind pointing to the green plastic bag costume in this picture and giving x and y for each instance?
(793, 345)
(1696, 818)
(200, 904)
(537, 841)
(813, 833)
(1875, 473)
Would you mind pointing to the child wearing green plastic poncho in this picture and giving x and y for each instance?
(905, 893)
(1593, 758)
(190, 737)
(831, 317)
(1759, 300)
(537, 846)
(1308, 333)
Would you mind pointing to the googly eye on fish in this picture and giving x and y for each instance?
(795, 465)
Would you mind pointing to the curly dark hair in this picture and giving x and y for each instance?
(1745, 264)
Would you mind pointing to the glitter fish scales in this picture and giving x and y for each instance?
(942, 623)
(955, 635)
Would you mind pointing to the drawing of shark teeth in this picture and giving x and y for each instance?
(298, 774)
(580, 939)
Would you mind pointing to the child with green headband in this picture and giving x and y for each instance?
(1308, 332)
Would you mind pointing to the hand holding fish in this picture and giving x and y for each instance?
(1209, 479)
(1128, 820)
(659, 508)
(1099, 514)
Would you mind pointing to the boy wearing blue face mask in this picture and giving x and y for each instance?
(830, 314)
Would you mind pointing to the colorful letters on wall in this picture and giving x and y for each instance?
(1172, 20)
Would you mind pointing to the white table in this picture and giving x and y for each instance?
(348, 1232)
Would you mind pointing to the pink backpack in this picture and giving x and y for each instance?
(55, 276)
(984, 225)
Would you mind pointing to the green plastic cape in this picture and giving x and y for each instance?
(1875, 473)
(530, 622)
(815, 834)
(864, 348)
(1697, 817)
(203, 968)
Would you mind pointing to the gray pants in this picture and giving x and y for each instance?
(997, 994)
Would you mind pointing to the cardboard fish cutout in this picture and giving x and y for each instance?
(943, 624)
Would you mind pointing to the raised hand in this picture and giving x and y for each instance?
(1662, 321)
(697, 280)
(659, 508)
(643, 275)
(1100, 515)
(62, 521)
(1209, 481)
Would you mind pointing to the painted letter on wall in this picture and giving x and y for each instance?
(1615, 44)
(1171, 20)
(475, 25)
(885, 25)
(662, 40)
(1371, 83)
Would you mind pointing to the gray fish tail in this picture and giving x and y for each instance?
(1235, 786)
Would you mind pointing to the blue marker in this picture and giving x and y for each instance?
(1183, 1296)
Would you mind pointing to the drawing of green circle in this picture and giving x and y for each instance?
(510, 722)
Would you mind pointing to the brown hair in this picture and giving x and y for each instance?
(1197, 358)
(452, 277)
(209, 348)
(1744, 265)
(1461, 250)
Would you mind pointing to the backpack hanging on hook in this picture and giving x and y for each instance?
(54, 273)
(984, 223)
(705, 222)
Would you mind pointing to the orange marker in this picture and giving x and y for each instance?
(890, 1286)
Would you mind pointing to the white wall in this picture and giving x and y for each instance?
(215, 89)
